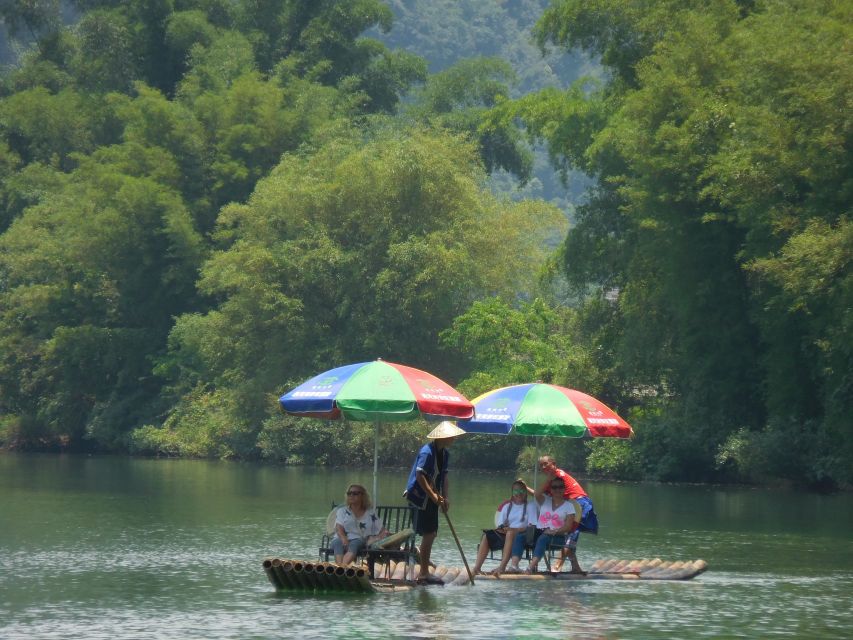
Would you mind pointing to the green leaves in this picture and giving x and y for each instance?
(43, 127)
(723, 198)
(356, 251)
(459, 99)
(92, 275)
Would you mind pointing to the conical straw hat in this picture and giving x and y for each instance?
(445, 429)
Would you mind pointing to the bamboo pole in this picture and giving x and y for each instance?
(657, 572)
(271, 576)
(299, 577)
(363, 580)
(617, 565)
(458, 544)
(399, 571)
(440, 570)
(450, 575)
(322, 580)
(331, 578)
(382, 569)
(351, 581)
(284, 572)
(341, 578)
(605, 565)
(310, 576)
(461, 579)
(596, 566)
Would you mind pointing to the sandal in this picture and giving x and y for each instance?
(430, 579)
(512, 569)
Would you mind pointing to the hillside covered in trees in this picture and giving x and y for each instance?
(205, 202)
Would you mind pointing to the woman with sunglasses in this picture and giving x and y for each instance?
(587, 519)
(555, 521)
(356, 525)
(511, 520)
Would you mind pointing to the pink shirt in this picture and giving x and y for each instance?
(551, 517)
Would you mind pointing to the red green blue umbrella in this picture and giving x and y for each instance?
(376, 392)
(539, 409)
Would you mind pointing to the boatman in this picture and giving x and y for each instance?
(427, 490)
(573, 491)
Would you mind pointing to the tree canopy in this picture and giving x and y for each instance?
(721, 149)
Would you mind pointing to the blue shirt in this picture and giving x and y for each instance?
(427, 463)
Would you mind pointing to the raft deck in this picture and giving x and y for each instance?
(301, 575)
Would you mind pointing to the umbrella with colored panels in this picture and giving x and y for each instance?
(539, 409)
(376, 392)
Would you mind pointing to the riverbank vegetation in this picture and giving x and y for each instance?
(205, 202)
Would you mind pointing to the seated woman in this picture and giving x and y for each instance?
(512, 520)
(356, 525)
(556, 519)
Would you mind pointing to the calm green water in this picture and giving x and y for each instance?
(123, 548)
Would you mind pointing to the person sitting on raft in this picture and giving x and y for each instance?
(555, 521)
(512, 520)
(587, 519)
(356, 525)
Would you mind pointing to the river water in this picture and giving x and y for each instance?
(103, 547)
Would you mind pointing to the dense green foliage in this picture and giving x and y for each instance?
(333, 261)
(112, 187)
(203, 202)
(720, 226)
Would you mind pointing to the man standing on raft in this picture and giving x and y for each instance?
(573, 491)
(427, 490)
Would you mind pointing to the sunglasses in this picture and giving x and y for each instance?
(518, 492)
(557, 485)
(354, 493)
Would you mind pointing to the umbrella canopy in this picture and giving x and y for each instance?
(376, 392)
(539, 409)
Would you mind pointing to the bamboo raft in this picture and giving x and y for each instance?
(300, 575)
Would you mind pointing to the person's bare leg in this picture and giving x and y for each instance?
(482, 551)
(533, 567)
(573, 558)
(558, 563)
(348, 558)
(426, 552)
(506, 554)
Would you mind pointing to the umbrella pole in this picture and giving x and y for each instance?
(375, 461)
(536, 463)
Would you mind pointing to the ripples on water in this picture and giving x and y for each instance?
(107, 563)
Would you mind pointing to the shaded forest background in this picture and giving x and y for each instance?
(205, 202)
